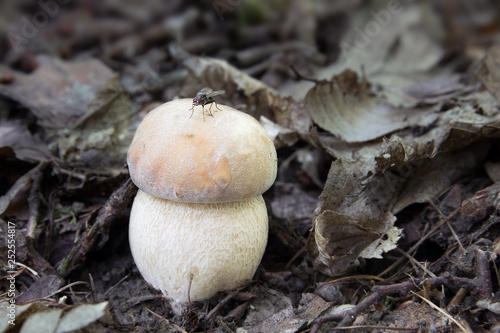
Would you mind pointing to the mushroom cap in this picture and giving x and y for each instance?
(220, 244)
(227, 157)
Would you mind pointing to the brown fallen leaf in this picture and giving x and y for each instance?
(355, 114)
(488, 72)
(57, 92)
(483, 202)
(25, 146)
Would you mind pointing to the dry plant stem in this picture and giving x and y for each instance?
(34, 201)
(212, 315)
(97, 236)
(449, 226)
(480, 287)
(92, 288)
(414, 248)
(413, 260)
(116, 284)
(459, 297)
(494, 219)
(168, 322)
(38, 261)
(359, 327)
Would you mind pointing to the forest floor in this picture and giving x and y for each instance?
(385, 115)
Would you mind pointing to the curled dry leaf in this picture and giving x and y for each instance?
(349, 110)
(430, 177)
(371, 181)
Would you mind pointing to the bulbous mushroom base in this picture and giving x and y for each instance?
(220, 244)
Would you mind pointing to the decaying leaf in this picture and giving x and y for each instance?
(401, 50)
(19, 192)
(430, 178)
(101, 136)
(489, 71)
(26, 146)
(84, 94)
(353, 113)
(35, 317)
(282, 316)
(81, 316)
(493, 170)
(379, 177)
(57, 92)
(46, 321)
(483, 202)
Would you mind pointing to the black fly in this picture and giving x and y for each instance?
(203, 97)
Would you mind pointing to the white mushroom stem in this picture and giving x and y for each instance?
(220, 244)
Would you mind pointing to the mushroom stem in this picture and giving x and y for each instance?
(220, 244)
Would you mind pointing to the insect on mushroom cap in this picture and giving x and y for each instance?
(228, 157)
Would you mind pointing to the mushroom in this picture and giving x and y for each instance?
(199, 224)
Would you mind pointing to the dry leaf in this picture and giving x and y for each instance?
(81, 316)
(483, 202)
(353, 113)
(489, 71)
(370, 181)
(57, 92)
(102, 131)
(26, 146)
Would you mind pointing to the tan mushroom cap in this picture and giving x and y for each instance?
(227, 157)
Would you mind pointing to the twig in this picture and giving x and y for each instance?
(480, 286)
(449, 226)
(66, 287)
(212, 314)
(446, 314)
(98, 234)
(298, 254)
(92, 288)
(168, 322)
(416, 262)
(34, 200)
(459, 296)
(116, 284)
(354, 277)
(388, 328)
(420, 241)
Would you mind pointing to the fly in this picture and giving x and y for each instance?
(203, 97)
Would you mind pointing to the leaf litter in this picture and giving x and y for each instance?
(387, 169)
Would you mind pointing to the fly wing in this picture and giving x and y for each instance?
(205, 91)
(215, 93)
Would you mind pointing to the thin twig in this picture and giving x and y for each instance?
(420, 241)
(354, 277)
(446, 314)
(480, 286)
(168, 322)
(416, 262)
(116, 284)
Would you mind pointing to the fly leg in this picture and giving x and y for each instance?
(217, 106)
(210, 110)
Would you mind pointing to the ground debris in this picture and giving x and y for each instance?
(386, 119)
